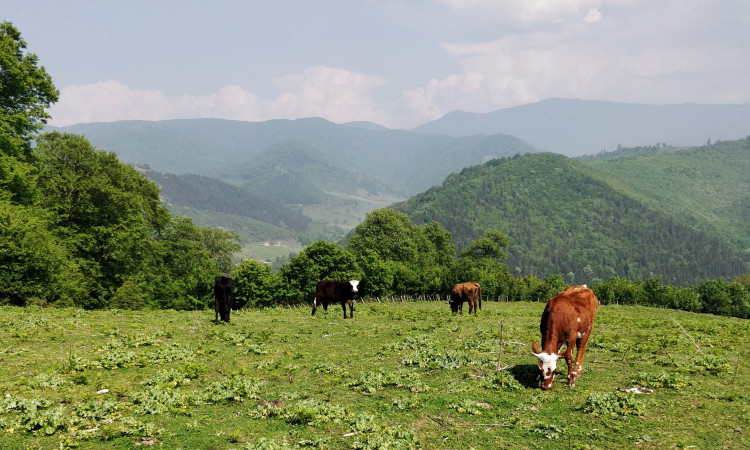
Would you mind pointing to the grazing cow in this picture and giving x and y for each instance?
(466, 292)
(329, 291)
(223, 297)
(567, 319)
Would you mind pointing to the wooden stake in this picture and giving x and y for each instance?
(500, 352)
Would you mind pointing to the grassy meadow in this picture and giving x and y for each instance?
(398, 375)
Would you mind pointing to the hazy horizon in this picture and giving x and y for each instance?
(393, 62)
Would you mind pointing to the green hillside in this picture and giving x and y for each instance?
(291, 172)
(707, 188)
(563, 218)
(210, 194)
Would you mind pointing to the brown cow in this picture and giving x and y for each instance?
(466, 292)
(223, 297)
(567, 319)
(329, 291)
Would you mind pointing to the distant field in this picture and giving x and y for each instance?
(398, 375)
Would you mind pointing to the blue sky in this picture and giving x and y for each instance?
(399, 63)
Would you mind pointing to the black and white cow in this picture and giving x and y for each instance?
(223, 297)
(329, 291)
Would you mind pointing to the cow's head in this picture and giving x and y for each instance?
(547, 366)
(355, 285)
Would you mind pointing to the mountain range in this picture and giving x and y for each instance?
(312, 179)
(578, 127)
(403, 162)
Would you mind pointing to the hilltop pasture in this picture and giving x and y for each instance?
(398, 375)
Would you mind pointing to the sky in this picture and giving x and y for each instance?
(398, 63)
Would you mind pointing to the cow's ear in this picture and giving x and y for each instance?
(535, 349)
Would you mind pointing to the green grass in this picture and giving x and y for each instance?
(398, 375)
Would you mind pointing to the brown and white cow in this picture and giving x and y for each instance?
(469, 292)
(223, 297)
(567, 320)
(329, 291)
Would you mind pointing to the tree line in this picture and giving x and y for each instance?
(392, 257)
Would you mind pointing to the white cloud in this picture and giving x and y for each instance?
(593, 16)
(528, 12)
(335, 94)
(637, 58)
(514, 70)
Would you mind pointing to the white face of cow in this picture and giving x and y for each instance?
(547, 368)
(355, 285)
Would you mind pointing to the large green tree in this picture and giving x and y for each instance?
(33, 265)
(129, 249)
(105, 212)
(26, 91)
(256, 285)
(414, 259)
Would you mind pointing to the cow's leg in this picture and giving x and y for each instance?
(351, 308)
(580, 352)
(343, 306)
(570, 362)
(216, 311)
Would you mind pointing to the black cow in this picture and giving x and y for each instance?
(329, 291)
(224, 295)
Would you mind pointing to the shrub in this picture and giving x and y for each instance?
(613, 404)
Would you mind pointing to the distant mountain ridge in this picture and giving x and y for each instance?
(577, 127)
(680, 214)
(409, 162)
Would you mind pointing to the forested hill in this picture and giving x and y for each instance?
(209, 194)
(707, 188)
(291, 173)
(562, 218)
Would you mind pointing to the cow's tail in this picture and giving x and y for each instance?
(479, 292)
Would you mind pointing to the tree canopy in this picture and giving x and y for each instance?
(26, 91)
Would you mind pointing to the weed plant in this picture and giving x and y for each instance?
(398, 375)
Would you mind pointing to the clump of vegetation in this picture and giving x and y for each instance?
(502, 380)
(374, 381)
(438, 358)
(471, 407)
(549, 431)
(613, 404)
(662, 380)
(233, 389)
